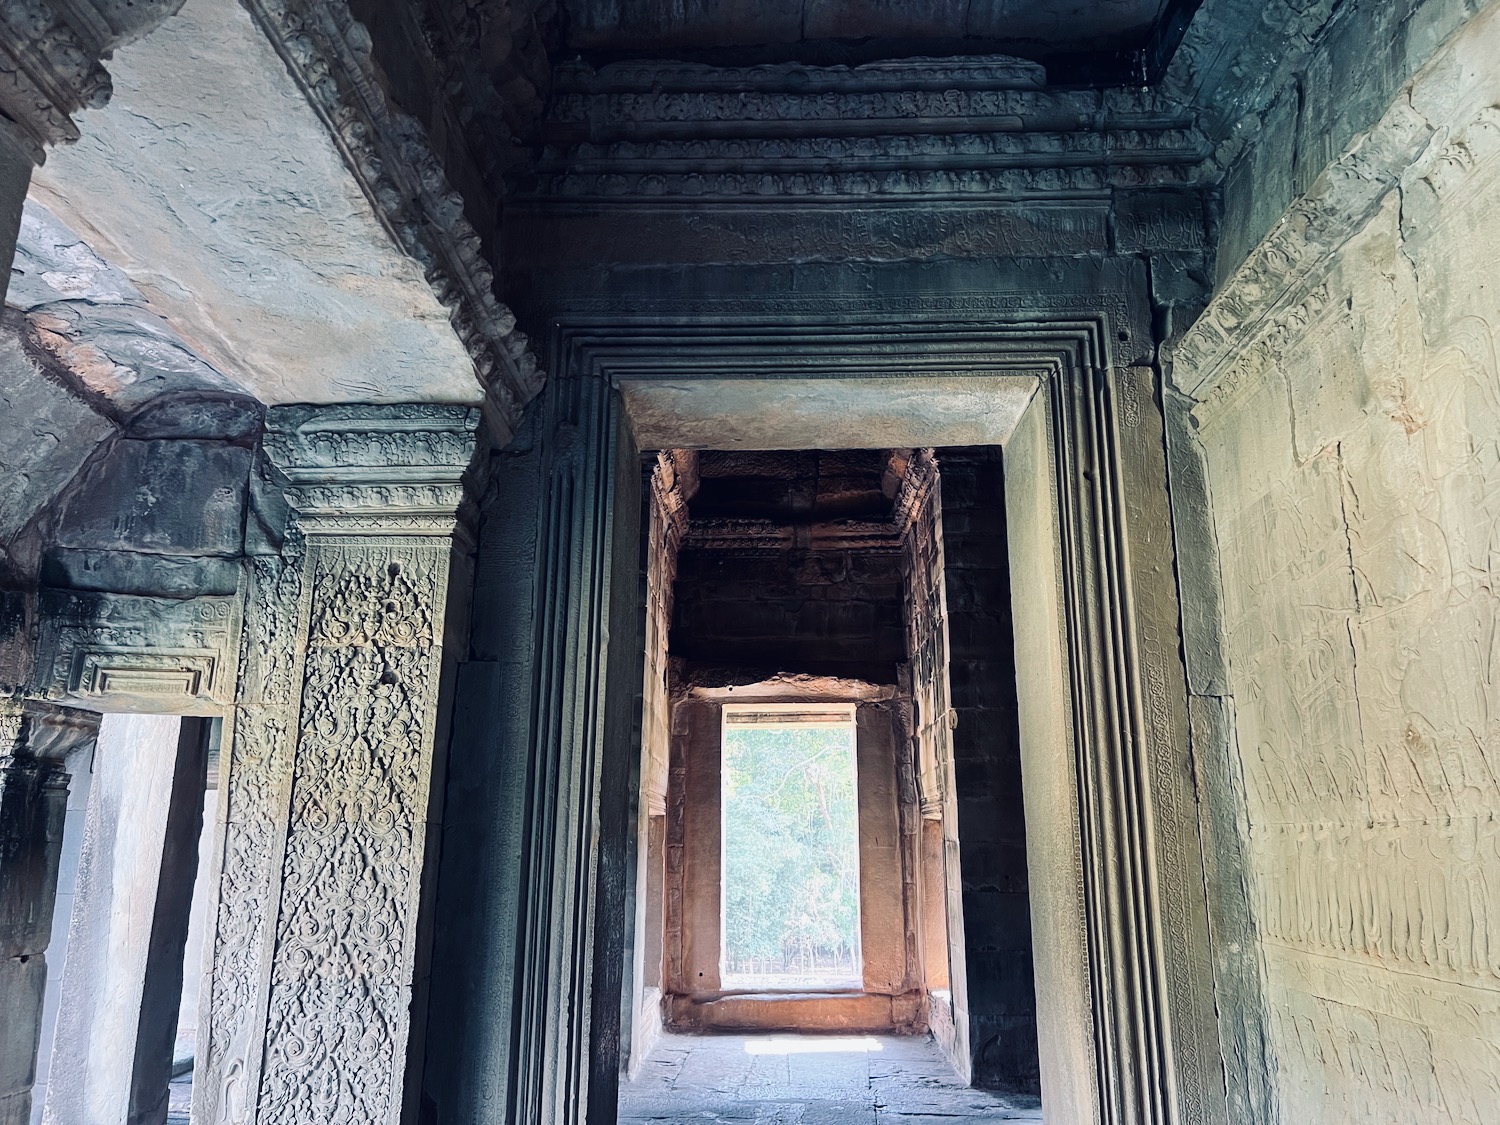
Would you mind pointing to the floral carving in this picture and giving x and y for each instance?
(986, 126)
(340, 984)
(332, 748)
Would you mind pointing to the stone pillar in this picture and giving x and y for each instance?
(34, 740)
(986, 747)
(15, 179)
(332, 774)
(112, 1051)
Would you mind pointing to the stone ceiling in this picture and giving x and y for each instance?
(212, 185)
(303, 200)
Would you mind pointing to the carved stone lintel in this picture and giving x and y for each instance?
(119, 652)
(335, 739)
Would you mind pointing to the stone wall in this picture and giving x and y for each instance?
(1348, 422)
(825, 612)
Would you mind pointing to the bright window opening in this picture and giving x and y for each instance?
(791, 848)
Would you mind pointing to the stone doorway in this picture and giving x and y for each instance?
(794, 595)
(1118, 924)
(797, 599)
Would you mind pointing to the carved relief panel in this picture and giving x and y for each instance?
(335, 741)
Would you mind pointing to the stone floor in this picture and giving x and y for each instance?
(179, 1100)
(808, 1080)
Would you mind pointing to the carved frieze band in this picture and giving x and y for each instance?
(973, 128)
(1278, 289)
(328, 53)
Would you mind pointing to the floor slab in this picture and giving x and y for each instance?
(808, 1080)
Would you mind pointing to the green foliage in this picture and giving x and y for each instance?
(791, 855)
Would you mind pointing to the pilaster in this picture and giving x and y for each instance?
(118, 1000)
(35, 738)
(318, 964)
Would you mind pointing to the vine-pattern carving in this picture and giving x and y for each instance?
(252, 813)
(340, 983)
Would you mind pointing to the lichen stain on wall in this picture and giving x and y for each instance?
(1355, 477)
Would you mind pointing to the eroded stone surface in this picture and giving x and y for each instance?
(46, 434)
(1353, 462)
(264, 253)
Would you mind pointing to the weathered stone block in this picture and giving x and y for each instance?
(46, 435)
(131, 572)
(196, 416)
(168, 497)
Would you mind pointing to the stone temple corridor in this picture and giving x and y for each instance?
(560, 557)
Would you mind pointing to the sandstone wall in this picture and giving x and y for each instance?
(821, 612)
(1349, 430)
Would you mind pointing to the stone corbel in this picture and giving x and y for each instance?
(330, 791)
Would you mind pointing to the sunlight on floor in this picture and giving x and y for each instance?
(787, 1078)
(811, 1045)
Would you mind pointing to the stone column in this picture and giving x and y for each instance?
(112, 1051)
(15, 179)
(34, 740)
(334, 771)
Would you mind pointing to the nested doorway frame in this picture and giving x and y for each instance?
(1127, 1027)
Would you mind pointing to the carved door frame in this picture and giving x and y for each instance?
(1128, 1029)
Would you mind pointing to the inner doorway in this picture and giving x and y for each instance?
(806, 853)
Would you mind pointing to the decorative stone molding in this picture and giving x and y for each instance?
(1279, 285)
(391, 470)
(120, 652)
(49, 60)
(976, 129)
(1131, 957)
(328, 53)
(334, 742)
